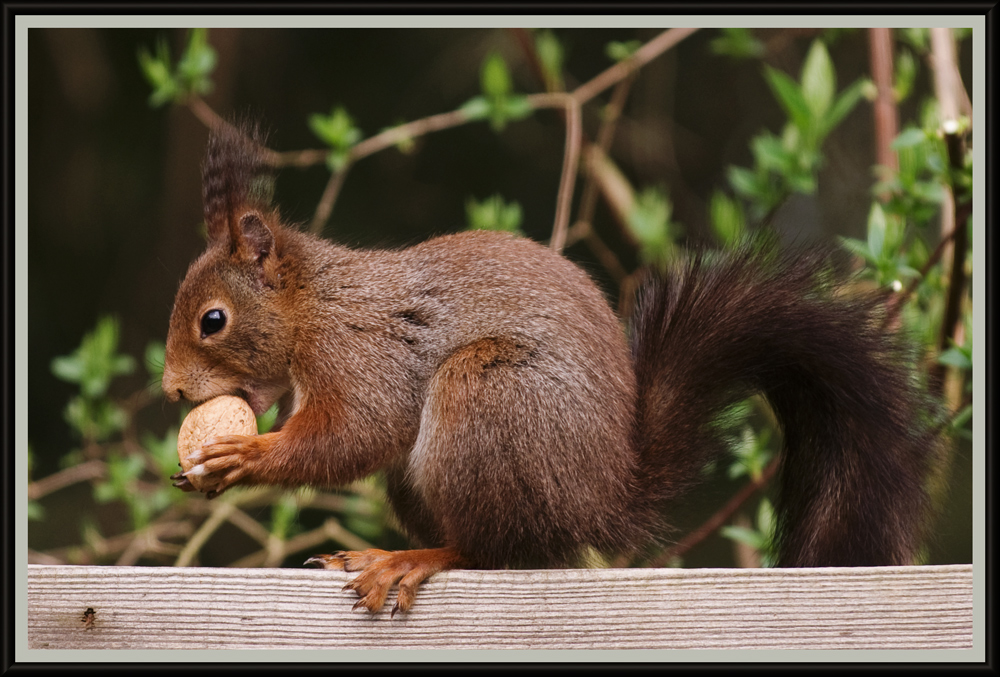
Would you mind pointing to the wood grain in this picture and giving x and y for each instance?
(201, 608)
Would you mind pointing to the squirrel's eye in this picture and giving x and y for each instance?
(212, 321)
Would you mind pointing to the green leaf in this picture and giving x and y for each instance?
(905, 75)
(189, 77)
(819, 80)
(801, 180)
(737, 42)
(649, 223)
(68, 368)
(163, 450)
(35, 511)
(962, 417)
(95, 362)
(791, 98)
(765, 518)
(283, 514)
(495, 78)
(551, 55)
(493, 214)
(743, 181)
(197, 61)
(337, 130)
(845, 103)
(728, 220)
(856, 247)
(517, 107)
(476, 108)
(918, 38)
(158, 73)
(909, 138)
(876, 230)
(619, 51)
(955, 357)
(771, 153)
(750, 537)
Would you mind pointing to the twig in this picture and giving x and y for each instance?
(896, 301)
(248, 525)
(204, 112)
(570, 103)
(299, 158)
(612, 113)
(884, 108)
(369, 146)
(329, 197)
(527, 43)
(329, 530)
(571, 160)
(87, 470)
(947, 84)
(716, 521)
(652, 49)
(583, 229)
(220, 514)
(410, 130)
(613, 187)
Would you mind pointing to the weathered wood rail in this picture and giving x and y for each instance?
(199, 608)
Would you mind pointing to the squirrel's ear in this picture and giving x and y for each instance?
(253, 240)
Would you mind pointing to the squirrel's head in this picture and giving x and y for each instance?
(227, 332)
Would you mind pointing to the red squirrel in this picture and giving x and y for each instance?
(515, 422)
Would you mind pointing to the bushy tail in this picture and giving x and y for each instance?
(722, 327)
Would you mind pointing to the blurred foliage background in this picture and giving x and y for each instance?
(115, 210)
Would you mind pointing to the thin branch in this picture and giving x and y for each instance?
(205, 113)
(613, 187)
(716, 521)
(570, 103)
(408, 131)
(299, 158)
(571, 160)
(947, 84)
(527, 43)
(87, 470)
(884, 109)
(652, 49)
(248, 525)
(220, 513)
(897, 300)
(329, 197)
(588, 198)
(582, 230)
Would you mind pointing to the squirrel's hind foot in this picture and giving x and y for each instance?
(380, 570)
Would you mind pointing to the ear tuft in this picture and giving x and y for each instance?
(234, 177)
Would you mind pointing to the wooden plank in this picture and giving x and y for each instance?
(200, 608)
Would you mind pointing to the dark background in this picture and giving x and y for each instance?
(114, 185)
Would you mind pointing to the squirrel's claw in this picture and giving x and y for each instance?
(380, 570)
(226, 461)
(182, 482)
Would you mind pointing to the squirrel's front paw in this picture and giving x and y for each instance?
(222, 462)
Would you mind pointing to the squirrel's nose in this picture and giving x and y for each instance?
(170, 386)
